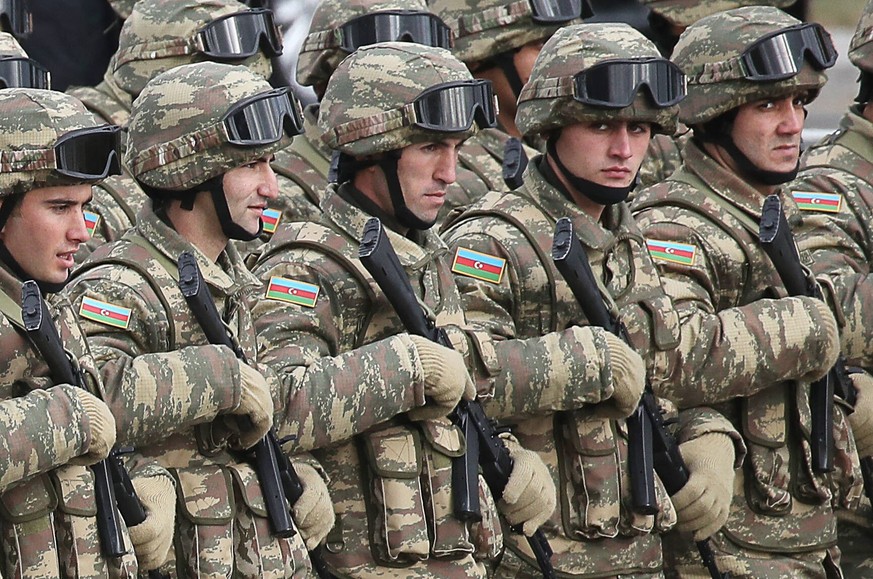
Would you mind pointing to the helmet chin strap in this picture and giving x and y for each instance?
(402, 213)
(229, 227)
(598, 193)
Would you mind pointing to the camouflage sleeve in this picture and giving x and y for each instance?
(725, 350)
(152, 391)
(331, 386)
(41, 431)
(695, 422)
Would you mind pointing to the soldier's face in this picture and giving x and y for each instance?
(607, 153)
(248, 190)
(768, 132)
(45, 230)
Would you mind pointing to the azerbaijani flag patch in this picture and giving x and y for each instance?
(818, 201)
(91, 221)
(478, 265)
(105, 313)
(292, 291)
(682, 253)
(271, 217)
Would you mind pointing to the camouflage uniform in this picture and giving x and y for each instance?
(165, 382)
(594, 533)
(723, 285)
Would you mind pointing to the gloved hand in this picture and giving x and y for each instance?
(861, 419)
(530, 496)
(101, 424)
(255, 403)
(446, 379)
(313, 511)
(628, 380)
(153, 537)
(702, 505)
(814, 329)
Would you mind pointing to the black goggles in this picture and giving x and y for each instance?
(264, 118)
(241, 35)
(15, 18)
(395, 25)
(559, 11)
(18, 72)
(615, 83)
(91, 153)
(780, 55)
(454, 106)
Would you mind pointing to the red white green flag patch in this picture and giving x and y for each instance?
(271, 218)
(672, 252)
(818, 201)
(105, 313)
(478, 265)
(292, 291)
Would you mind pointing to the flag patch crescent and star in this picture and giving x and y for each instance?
(91, 221)
(672, 252)
(105, 313)
(818, 201)
(271, 218)
(292, 291)
(477, 265)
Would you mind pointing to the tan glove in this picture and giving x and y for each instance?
(313, 511)
(255, 403)
(817, 323)
(446, 379)
(529, 497)
(628, 380)
(153, 537)
(861, 419)
(101, 424)
(702, 505)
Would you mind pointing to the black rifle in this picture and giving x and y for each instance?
(278, 479)
(378, 257)
(112, 485)
(663, 452)
(778, 242)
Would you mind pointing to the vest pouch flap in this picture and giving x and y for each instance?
(205, 494)
(28, 500)
(445, 437)
(764, 417)
(75, 489)
(394, 453)
(590, 435)
(665, 321)
(249, 488)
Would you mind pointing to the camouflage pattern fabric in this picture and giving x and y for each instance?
(122, 7)
(106, 100)
(483, 154)
(9, 46)
(686, 12)
(112, 211)
(662, 158)
(594, 533)
(783, 519)
(48, 515)
(861, 45)
(166, 386)
(347, 374)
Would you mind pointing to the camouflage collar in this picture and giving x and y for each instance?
(854, 121)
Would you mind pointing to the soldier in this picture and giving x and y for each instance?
(50, 152)
(751, 71)
(367, 397)
(201, 140)
(602, 135)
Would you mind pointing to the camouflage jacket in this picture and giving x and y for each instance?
(166, 385)
(112, 211)
(835, 193)
(106, 100)
(42, 515)
(483, 155)
(663, 156)
(348, 373)
(701, 226)
(594, 532)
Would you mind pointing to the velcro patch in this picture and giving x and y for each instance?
(105, 313)
(818, 201)
(478, 265)
(672, 252)
(292, 291)
(271, 218)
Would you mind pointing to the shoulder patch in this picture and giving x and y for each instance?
(478, 265)
(682, 253)
(292, 291)
(271, 218)
(91, 222)
(818, 201)
(105, 313)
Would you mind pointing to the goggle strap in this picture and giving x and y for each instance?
(179, 148)
(159, 49)
(373, 125)
(496, 17)
(27, 160)
(715, 72)
(322, 40)
(547, 88)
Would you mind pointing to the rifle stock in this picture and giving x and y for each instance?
(663, 456)
(378, 257)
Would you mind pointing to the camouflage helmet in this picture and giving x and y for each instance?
(686, 12)
(122, 8)
(861, 46)
(710, 53)
(9, 47)
(162, 34)
(485, 28)
(362, 112)
(322, 51)
(31, 123)
(547, 101)
(177, 138)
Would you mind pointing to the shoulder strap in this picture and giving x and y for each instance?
(11, 310)
(301, 172)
